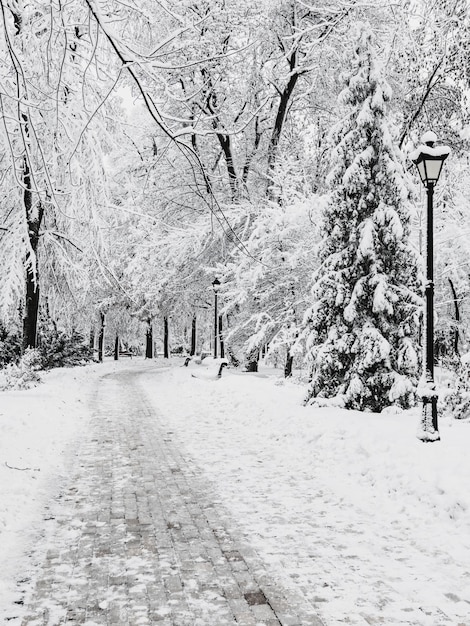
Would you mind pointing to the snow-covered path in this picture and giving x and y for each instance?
(349, 510)
(137, 539)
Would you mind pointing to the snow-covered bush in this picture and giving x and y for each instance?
(10, 347)
(24, 374)
(57, 349)
(456, 399)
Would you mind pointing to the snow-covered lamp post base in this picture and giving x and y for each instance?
(428, 430)
(429, 161)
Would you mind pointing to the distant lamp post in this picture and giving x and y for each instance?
(216, 288)
(429, 161)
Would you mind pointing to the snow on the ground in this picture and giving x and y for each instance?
(367, 521)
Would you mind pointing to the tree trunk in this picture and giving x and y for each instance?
(221, 340)
(224, 139)
(166, 352)
(193, 336)
(225, 144)
(34, 219)
(33, 215)
(285, 97)
(149, 340)
(30, 319)
(91, 341)
(288, 365)
(101, 337)
(116, 348)
(289, 357)
(457, 317)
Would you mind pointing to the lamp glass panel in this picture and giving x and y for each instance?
(422, 170)
(433, 169)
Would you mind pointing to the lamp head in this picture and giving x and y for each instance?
(428, 159)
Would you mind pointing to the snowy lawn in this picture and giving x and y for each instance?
(36, 426)
(367, 521)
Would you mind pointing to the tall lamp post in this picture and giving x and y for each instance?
(429, 161)
(216, 288)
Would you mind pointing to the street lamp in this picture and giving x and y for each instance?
(429, 161)
(216, 288)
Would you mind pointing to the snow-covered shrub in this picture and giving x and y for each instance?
(456, 399)
(24, 374)
(234, 362)
(10, 347)
(57, 349)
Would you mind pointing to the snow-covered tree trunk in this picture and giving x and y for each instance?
(101, 337)
(32, 205)
(34, 215)
(166, 338)
(221, 338)
(455, 300)
(149, 340)
(192, 351)
(288, 365)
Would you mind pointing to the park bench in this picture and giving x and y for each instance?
(211, 369)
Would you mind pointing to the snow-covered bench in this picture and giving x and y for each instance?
(210, 369)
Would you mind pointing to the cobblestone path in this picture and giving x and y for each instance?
(137, 539)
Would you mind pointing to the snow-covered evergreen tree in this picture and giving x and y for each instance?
(362, 327)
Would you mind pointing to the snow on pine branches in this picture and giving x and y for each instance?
(362, 326)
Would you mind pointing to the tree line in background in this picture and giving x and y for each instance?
(148, 147)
